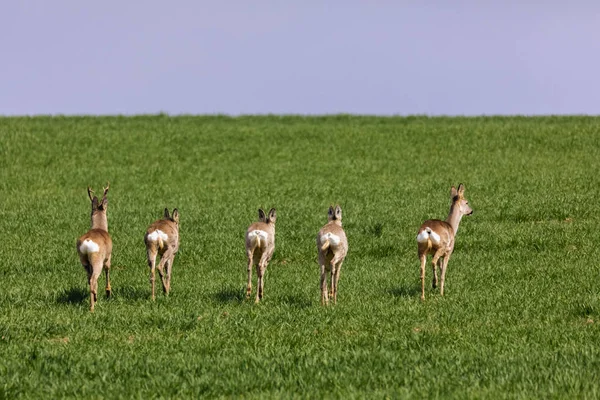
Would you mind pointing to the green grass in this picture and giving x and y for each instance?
(521, 313)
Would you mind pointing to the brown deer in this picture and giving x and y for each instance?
(332, 247)
(162, 238)
(437, 237)
(260, 245)
(95, 247)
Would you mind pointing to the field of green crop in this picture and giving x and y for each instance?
(520, 317)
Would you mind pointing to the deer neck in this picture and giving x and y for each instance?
(454, 217)
(99, 221)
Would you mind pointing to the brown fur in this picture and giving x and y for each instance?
(96, 261)
(446, 230)
(331, 256)
(169, 225)
(259, 253)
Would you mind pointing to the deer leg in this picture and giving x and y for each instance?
(264, 260)
(435, 276)
(88, 268)
(324, 296)
(337, 278)
(249, 285)
(334, 271)
(434, 262)
(444, 265)
(169, 271)
(258, 283)
(107, 273)
(164, 259)
(332, 280)
(423, 258)
(263, 269)
(151, 253)
(96, 271)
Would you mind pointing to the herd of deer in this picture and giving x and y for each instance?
(162, 239)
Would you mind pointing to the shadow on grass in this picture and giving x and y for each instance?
(134, 293)
(74, 295)
(587, 310)
(297, 301)
(229, 295)
(405, 291)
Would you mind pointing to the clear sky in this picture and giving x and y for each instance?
(300, 57)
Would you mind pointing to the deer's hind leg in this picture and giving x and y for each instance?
(107, 272)
(337, 278)
(169, 271)
(250, 255)
(324, 296)
(96, 270)
(164, 259)
(434, 263)
(423, 258)
(151, 253)
(444, 266)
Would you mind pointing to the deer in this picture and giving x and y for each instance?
(437, 237)
(332, 247)
(95, 247)
(162, 239)
(260, 245)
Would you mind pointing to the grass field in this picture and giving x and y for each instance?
(520, 317)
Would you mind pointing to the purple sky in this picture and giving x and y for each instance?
(303, 57)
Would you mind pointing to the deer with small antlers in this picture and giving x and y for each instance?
(95, 247)
(437, 237)
(332, 247)
(260, 245)
(162, 239)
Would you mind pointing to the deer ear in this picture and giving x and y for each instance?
(104, 203)
(272, 215)
(338, 213)
(461, 190)
(262, 217)
(453, 192)
(330, 213)
(175, 215)
(167, 216)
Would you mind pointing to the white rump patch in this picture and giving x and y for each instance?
(435, 238)
(427, 233)
(153, 237)
(260, 237)
(334, 240)
(89, 246)
(258, 233)
(423, 236)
